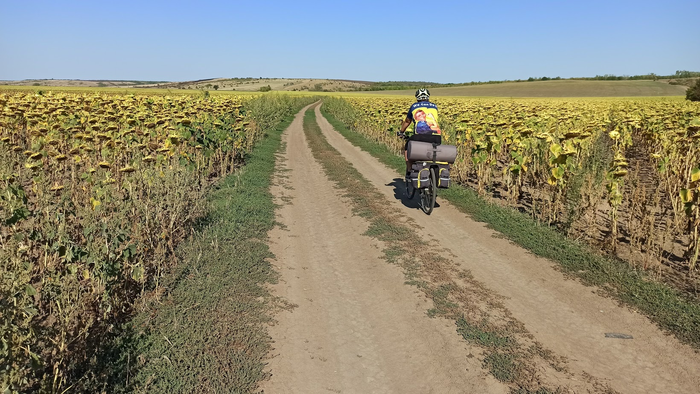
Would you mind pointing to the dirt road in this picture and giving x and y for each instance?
(357, 328)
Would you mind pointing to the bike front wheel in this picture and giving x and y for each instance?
(429, 194)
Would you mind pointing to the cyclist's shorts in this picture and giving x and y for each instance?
(432, 138)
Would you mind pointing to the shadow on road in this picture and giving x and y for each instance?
(399, 185)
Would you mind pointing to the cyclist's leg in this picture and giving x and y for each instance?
(409, 164)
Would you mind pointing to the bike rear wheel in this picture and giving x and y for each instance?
(428, 195)
(410, 190)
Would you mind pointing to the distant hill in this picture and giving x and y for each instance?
(239, 84)
(275, 84)
(558, 88)
(78, 83)
(536, 88)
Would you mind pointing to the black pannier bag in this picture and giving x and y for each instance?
(420, 176)
(444, 176)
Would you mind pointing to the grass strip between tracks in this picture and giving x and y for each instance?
(207, 334)
(508, 350)
(664, 305)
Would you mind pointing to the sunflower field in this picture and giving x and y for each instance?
(96, 192)
(622, 174)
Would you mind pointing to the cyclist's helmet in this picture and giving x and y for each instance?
(422, 94)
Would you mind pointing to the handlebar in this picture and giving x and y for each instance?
(402, 135)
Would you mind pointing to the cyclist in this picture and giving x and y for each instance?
(425, 115)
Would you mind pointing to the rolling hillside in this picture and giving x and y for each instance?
(555, 88)
(563, 88)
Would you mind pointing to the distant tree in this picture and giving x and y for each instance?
(683, 74)
(693, 92)
(265, 88)
(216, 87)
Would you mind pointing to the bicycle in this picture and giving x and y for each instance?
(428, 179)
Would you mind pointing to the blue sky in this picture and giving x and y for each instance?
(437, 41)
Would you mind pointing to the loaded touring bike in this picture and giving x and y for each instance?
(430, 170)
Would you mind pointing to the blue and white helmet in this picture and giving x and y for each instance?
(422, 94)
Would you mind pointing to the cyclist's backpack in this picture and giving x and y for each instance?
(444, 176)
(420, 176)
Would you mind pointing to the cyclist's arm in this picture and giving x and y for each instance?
(406, 123)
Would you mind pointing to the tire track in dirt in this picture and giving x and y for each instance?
(356, 327)
(565, 316)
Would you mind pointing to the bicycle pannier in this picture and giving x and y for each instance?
(420, 176)
(444, 176)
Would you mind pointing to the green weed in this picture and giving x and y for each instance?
(502, 366)
(482, 334)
